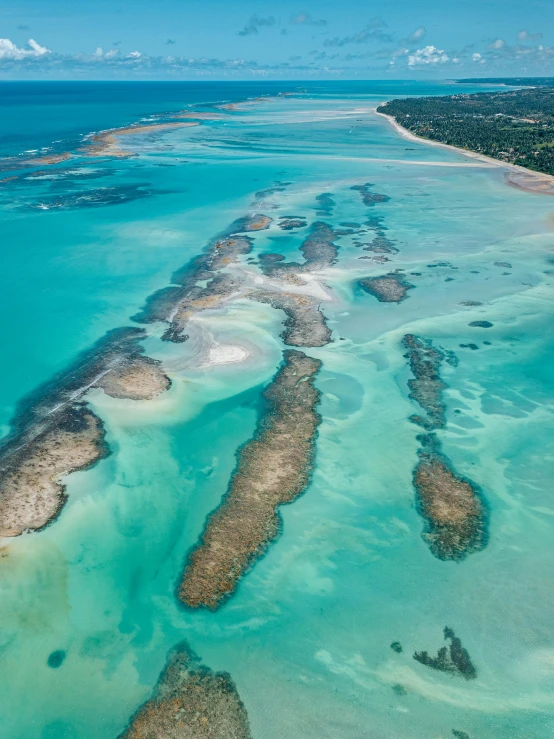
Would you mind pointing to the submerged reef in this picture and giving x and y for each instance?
(451, 505)
(390, 288)
(454, 659)
(325, 205)
(273, 468)
(55, 433)
(305, 324)
(369, 197)
(93, 198)
(190, 702)
(291, 222)
(427, 386)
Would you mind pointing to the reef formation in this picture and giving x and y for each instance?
(319, 252)
(390, 288)
(190, 702)
(177, 303)
(305, 324)
(54, 432)
(450, 504)
(454, 659)
(273, 469)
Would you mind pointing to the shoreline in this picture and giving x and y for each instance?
(519, 177)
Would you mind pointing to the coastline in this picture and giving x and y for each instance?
(516, 176)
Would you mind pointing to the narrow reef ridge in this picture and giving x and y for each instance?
(427, 386)
(454, 659)
(55, 433)
(390, 288)
(451, 505)
(190, 702)
(178, 302)
(273, 469)
(305, 324)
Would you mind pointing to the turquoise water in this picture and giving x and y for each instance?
(307, 636)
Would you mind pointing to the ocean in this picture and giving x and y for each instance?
(320, 636)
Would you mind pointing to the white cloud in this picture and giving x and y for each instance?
(398, 53)
(477, 58)
(306, 20)
(497, 44)
(134, 55)
(524, 35)
(418, 34)
(8, 50)
(427, 55)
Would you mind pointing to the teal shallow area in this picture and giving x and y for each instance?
(307, 636)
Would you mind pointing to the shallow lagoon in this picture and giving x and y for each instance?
(307, 636)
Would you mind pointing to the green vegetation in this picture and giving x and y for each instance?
(515, 126)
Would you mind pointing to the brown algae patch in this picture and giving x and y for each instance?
(31, 493)
(273, 469)
(454, 659)
(450, 504)
(190, 702)
(390, 288)
(305, 324)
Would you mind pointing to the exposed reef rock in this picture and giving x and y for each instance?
(390, 288)
(190, 702)
(450, 504)
(176, 303)
(305, 324)
(31, 494)
(140, 378)
(273, 468)
(55, 433)
(427, 386)
(454, 659)
(198, 299)
(107, 143)
(369, 197)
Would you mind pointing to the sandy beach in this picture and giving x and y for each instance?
(516, 176)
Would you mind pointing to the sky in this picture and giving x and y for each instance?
(275, 39)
